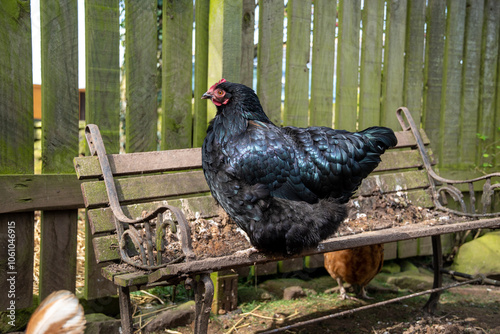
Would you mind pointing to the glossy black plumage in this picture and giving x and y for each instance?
(285, 187)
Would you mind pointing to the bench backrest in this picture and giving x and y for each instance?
(146, 180)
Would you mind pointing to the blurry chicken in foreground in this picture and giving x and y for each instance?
(59, 313)
(356, 266)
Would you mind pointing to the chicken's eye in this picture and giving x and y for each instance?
(220, 92)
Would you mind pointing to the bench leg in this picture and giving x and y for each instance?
(204, 295)
(125, 310)
(437, 262)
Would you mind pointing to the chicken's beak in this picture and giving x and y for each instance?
(207, 95)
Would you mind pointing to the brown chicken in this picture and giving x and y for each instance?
(356, 266)
(59, 313)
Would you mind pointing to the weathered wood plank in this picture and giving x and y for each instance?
(297, 57)
(371, 64)
(452, 84)
(102, 88)
(414, 58)
(132, 163)
(177, 64)
(394, 66)
(39, 192)
(323, 59)
(329, 245)
(470, 90)
(16, 142)
(247, 47)
(347, 65)
(146, 188)
(141, 71)
(270, 58)
(59, 42)
(400, 181)
(433, 72)
(203, 207)
(489, 73)
(224, 47)
(200, 71)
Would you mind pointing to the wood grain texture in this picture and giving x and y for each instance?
(471, 86)
(452, 84)
(370, 85)
(177, 64)
(141, 71)
(414, 58)
(322, 66)
(346, 100)
(270, 58)
(394, 66)
(200, 71)
(296, 111)
(247, 42)
(102, 88)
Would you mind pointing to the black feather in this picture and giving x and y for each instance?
(285, 187)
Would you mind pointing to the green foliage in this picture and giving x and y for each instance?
(490, 150)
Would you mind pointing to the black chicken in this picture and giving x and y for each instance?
(285, 187)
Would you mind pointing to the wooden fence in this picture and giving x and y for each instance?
(347, 63)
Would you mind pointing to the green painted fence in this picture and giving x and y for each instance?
(344, 63)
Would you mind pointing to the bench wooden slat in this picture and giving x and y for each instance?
(102, 218)
(146, 188)
(171, 160)
(399, 181)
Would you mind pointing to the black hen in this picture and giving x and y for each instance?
(285, 187)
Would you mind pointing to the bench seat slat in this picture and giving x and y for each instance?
(146, 188)
(171, 160)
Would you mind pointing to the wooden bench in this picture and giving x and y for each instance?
(129, 195)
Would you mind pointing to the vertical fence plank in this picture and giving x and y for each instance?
(270, 58)
(200, 71)
(59, 44)
(433, 75)
(371, 64)
(297, 56)
(489, 61)
(141, 125)
(102, 107)
(177, 72)
(452, 84)
(414, 62)
(224, 45)
(394, 66)
(323, 59)
(470, 80)
(247, 45)
(16, 149)
(347, 65)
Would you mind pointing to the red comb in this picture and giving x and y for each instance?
(217, 83)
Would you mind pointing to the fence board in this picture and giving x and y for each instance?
(59, 44)
(489, 61)
(16, 144)
(297, 57)
(247, 47)
(323, 59)
(371, 64)
(433, 75)
(224, 47)
(470, 75)
(200, 71)
(141, 72)
(452, 84)
(394, 67)
(414, 60)
(102, 88)
(176, 129)
(347, 65)
(102, 103)
(270, 58)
